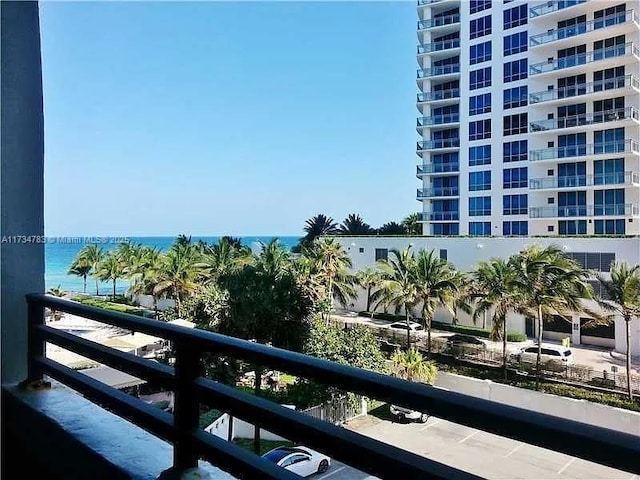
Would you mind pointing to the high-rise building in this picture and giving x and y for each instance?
(529, 117)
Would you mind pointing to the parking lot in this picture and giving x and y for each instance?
(474, 451)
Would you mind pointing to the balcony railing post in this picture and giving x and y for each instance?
(187, 406)
(36, 349)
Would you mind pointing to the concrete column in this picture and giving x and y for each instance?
(575, 330)
(22, 179)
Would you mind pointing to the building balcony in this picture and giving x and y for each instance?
(595, 90)
(441, 144)
(447, 46)
(438, 95)
(437, 168)
(436, 192)
(624, 147)
(552, 6)
(581, 181)
(422, 3)
(622, 210)
(436, 22)
(438, 217)
(629, 17)
(577, 61)
(444, 71)
(446, 120)
(582, 120)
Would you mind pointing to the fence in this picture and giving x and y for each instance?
(480, 355)
(337, 411)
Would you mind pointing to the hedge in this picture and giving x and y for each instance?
(468, 330)
(116, 307)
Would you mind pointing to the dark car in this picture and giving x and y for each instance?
(465, 340)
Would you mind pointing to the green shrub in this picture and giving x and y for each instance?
(208, 417)
(610, 399)
(115, 307)
(516, 337)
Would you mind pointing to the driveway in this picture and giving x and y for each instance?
(479, 452)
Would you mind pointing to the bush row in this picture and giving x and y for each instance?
(116, 307)
(478, 332)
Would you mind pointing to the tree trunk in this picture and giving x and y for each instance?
(427, 323)
(330, 300)
(627, 321)
(504, 345)
(114, 289)
(539, 356)
(368, 298)
(256, 427)
(406, 311)
(97, 291)
(484, 319)
(84, 277)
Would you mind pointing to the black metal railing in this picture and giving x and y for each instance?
(608, 447)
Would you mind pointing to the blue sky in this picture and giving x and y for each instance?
(226, 118)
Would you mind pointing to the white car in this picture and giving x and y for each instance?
(300, 460)
(413, 327)
(408, 414)
(551, 355)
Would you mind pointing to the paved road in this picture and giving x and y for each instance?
(340, 471)
(477, 452)
(594, 357)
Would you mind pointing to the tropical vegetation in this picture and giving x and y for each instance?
(622, 296)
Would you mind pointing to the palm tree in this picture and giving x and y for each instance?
(332, 265)
(410, 365)
(622, 296)
(355, 225)
(81, 268)
(56, 292)
(398, 287)
(549, 283)
(438, 284)
(411, 225)
(179, 272)
(493, 289)
(92, 255)
(110, 268)
(318, 226)
(391, 228)
(369, 279)
(222, 258)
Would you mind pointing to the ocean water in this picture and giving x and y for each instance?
(60, 255)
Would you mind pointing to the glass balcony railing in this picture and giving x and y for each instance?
(623, 209)
(438, 46)
(438, 21)
(585, 89)
(438, 192)
(628, 113)
(438, 168)
(618, 178)
(438, 216)
(552, 6)
(438, 95)
(620, 147)
(579, 29)
(440, 143)
(436, 71)
(438, 120)
(584, 58)
(427, 2)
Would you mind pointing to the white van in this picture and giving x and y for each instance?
(551, 354)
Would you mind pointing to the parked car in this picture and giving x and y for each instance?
(461, 340)
(300, 460)
(407, 414)
(413, 327)
(552, 355)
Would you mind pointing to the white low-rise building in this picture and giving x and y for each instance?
(465, 253)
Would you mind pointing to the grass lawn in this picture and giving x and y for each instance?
(288, 379)
(265, 445)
